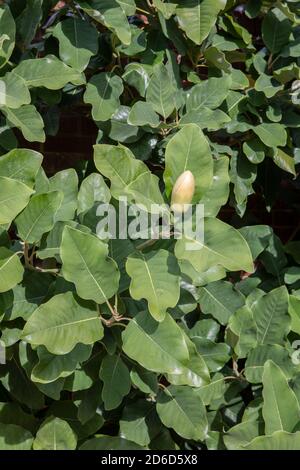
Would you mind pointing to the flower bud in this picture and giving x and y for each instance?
(183, 191)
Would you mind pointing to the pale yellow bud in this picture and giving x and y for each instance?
(183, 191)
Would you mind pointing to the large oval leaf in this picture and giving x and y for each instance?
(86, 263)
(62, 322)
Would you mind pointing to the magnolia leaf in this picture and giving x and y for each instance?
(22, 165)
(110, 443)
(52, 367)
(11, 269)
(139, 422)
(258, 356)
(14, 196)
(155, 277)
(279, 440)
(142, 114)
(112, 14)
(93, 189)
(86, 263)
(28, 120)
(281, 410)
(276, 29)
(189, 150)
(216, 248)
(160, 92)
(220, 299)
(209, 93)
(66, 182)
(103, 92)
(182, 409)
(14, 437)
(48, 72)
(197, 17)
(129, 177)
(13, 91)
(62, 322)
(162, 347)
(272, 135)
(78, 42)
(39, 216)
(8, 32)
(55, 434)
(271, 316)
(115, 376)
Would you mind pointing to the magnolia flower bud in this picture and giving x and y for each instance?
(183, 191)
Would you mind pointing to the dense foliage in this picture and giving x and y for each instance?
(124, 343)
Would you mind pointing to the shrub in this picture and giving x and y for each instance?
(160, 343)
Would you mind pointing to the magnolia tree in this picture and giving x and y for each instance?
(131, 315)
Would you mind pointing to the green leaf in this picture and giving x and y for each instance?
(66, 182)
(284, 161)
(182, 409)
(294, 311)
(241, 333)
(129, 177)
(271, 316)
(51, 367)
(28, 21)
(144, 380)
(242, 434)
(13, 437)
(55, 434)
(139, 422)
(276, 29)
(209, 93)
(260, 355)
(142, 114)
(254, 150)
(14, 196)
(155, 277)
(272, 135)
(110, 443)
(268, 85)
(217, 194)
(279, 440)
(13, 91)
(210, 119)
(11, 269)
(48, 72)
(7, 36)
(39, 216)
(281, 409)
(93, 189)
(161, 347)
(103, 92)
(214, 390)
(78, 42)
(86, 263)
(215, 355)
(28, 120)
(216, 248)
(109, 13)
(116, 379)
(138, 76)
(160, 92)
(220, 299)
(189, 150)
(197, 17)
(62, 322)
(22, 165)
